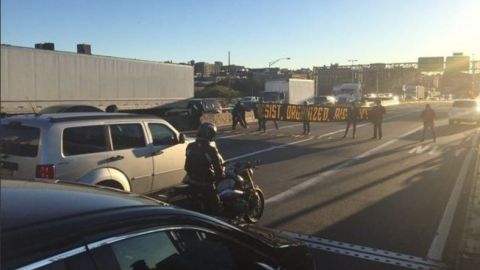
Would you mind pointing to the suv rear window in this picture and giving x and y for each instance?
(19, 140)
(84, 140)
(465, 104)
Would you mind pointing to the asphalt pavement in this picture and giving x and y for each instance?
(393, 194)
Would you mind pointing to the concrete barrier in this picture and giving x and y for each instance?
(224, 119)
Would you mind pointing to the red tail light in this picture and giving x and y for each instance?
(45, 171)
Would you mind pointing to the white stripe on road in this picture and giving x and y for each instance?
(322, 176)
(267, 149)
(435, 251)
(242, 134)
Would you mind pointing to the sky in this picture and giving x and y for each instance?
(310, 32)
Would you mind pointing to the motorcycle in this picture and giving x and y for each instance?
(240, 197)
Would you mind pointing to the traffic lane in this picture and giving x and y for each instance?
(294, 164)
(392, 200)
(239, 144)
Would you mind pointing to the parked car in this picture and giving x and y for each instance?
(131, 152)
(70, 108)
(324, 100)
(64, 226)
(249, 102)
(464, 110)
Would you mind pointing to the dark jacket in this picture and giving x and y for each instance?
(259, 111)
(353, 114)
(376, 114)
(204, 163)
(428, 115)
(238, 110)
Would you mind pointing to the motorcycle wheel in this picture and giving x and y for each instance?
(255, 207)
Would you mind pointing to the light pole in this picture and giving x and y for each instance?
(352, 61)
(270, 64)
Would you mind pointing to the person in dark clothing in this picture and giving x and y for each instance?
(196, 112)
(238, 115)
(260, 115)
(376, 116)
(204, 166)
(353, 116)
(305, 120)
(428, 117)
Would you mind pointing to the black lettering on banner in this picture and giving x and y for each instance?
(314, 113)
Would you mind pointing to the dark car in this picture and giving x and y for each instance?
(70, 108)
(72, 226)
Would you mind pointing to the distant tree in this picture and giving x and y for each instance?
(217, 91)
(246, 87)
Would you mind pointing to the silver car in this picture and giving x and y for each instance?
(135, 153)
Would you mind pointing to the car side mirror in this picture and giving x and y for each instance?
(181, 138)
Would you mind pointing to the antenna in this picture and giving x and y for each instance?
(31, 106)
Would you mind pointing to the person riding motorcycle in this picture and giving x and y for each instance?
(204, 166)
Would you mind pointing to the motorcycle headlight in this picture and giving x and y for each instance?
(251, 171)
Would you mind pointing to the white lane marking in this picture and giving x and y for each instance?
(458, 152)
(292, 191)
(435, 251)
(366, 253)
(267, 149)
(419, 149)
(434, 151)
(255, 132)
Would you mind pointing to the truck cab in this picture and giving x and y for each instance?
(348, 92)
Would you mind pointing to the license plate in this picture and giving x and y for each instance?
(6, 172)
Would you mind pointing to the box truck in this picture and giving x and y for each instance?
(289, 91)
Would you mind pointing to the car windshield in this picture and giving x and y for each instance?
(351, 126)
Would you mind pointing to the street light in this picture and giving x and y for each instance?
(352, 61)
(270, 64)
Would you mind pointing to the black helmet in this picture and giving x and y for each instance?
(207, 131)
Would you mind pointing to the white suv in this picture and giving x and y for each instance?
(467, 110)
(135, 153)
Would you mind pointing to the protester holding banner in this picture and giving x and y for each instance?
(376, 116)
(260, 115)
(238, 113)
(352, 118)
(305, 120)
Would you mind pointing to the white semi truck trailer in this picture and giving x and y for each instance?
(289, 91)
(33, 79)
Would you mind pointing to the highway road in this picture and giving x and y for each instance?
(396, 201)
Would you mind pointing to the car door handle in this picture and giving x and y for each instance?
(115, 158)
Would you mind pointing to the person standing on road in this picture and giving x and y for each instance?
(428, 117)
(260, 115)
(306, 121)
(376, 116)
(353, 116)
(243, 110)
(196, 112)
(236, 115)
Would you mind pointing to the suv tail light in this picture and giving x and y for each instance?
(45, 171)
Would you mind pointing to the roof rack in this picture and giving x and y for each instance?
(101, 117)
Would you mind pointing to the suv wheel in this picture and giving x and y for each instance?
(111, 184)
